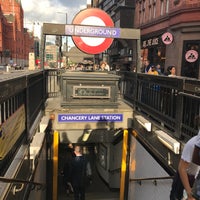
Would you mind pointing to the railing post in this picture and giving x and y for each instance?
(55, 164)
(179, 111)
(123, 164)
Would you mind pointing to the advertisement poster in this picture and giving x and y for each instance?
(11, 130)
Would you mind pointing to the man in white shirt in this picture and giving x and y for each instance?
(187, 170)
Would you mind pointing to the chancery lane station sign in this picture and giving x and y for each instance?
(92, 31)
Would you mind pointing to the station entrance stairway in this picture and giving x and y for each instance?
(97, 190)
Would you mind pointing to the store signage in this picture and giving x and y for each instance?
(90, 117)
(99, 38)
(150, 42)
(191, 56)
(167, 38)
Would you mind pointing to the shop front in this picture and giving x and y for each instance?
(154, 50)
(190, 59)
(173, 48)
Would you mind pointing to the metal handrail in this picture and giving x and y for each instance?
(115, 170)
(154, 179)
(40, 186)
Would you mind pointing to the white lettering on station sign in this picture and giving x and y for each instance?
(90, 117)
(92, 31)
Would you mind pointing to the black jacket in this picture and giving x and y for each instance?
(78, 171)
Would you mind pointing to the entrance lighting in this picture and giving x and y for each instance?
(86, 135)
(144, 122)
(168, 141)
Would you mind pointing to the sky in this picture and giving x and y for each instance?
(51, 11)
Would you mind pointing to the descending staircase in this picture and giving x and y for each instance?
(97, 190)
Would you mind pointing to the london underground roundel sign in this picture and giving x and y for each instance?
(92, 17)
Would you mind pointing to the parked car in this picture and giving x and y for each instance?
(2, 67)
(18, 67)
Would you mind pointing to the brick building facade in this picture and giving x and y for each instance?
(15, 41)
(120, 54)
(176, 20)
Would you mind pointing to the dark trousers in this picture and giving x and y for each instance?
(79, 192)
(177, 187)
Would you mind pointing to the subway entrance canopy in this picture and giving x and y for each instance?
(92, 31)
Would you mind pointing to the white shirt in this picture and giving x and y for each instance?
(187, 155)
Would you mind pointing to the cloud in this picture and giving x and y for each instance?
(74, 3)
(51, 11)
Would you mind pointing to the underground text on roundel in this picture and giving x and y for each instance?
(92, 31)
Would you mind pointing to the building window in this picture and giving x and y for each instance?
(143, 10)
(140, 17)
(176, 2)
(161, 7)
(167, 6)
(140, 12)
(143, 17)
(141, 6)
(150, 12)
(49, 56)
(154, 10)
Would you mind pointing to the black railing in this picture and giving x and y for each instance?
(52, 82)
(35, 96)
(172, 102)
